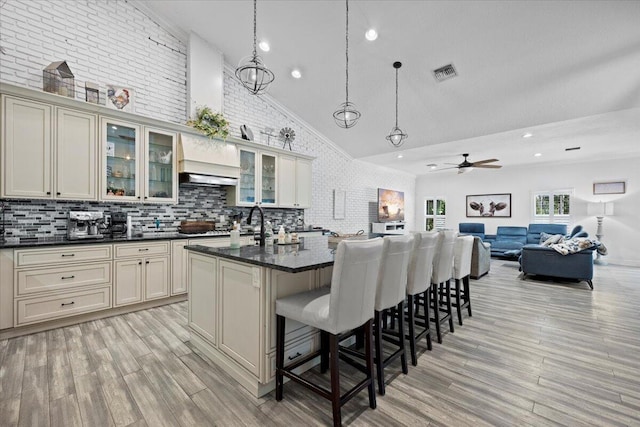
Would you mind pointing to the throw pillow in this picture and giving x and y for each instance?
(554, 239)
(544, 236)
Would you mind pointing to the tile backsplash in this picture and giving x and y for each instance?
(41, 218)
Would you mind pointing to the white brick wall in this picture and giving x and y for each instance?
(107, 41)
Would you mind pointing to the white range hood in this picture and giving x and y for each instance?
(200, 157)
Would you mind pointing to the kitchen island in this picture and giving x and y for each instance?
(232, 305)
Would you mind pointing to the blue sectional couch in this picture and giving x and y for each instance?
(546, 261)
(508, 241)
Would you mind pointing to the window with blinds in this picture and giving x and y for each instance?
(552, 207)
(435, 214)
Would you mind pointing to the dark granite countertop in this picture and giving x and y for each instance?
(311, 253)
(32, 242)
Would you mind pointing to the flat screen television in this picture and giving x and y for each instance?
(390, 205)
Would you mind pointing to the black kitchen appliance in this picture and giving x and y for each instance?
(118, 224)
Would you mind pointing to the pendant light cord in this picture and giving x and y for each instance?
(255, 6)
(347, 53)
(396, 97)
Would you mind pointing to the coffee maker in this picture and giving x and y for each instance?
(118, 224)
(84, 225)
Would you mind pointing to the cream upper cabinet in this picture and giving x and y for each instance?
(138, 164)
(161, 184)
(258, 180)
(75, 155)
(45, 158)
(294, 182)
(26, 148)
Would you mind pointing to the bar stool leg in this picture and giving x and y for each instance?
(412, 330)
(324, 349)
(403, 358)
(427, 322)
(369, 355)
(335, 381)
(448, 301)
(279, 356)
(377, 342)
(436, 310)
(467, 295)
(458, 306)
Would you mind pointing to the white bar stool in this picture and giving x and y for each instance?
(347, 305)
(425, 245)
(462, 253)
(441, 278)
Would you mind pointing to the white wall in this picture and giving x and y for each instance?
(621, 231)
(204, 76)
(105, 42)
(34, 34)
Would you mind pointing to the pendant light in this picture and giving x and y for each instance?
(396, 137)
(346, 115)
(252, 72)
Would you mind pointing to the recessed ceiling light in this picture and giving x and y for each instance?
(527, 135)
(296, 74)
(371, 34)
(538, 154)
(264, 45)
(432, 165)
(400, 156)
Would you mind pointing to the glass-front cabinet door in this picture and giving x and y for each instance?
(268, 179)
(121, 167)
(247, 184)
(160, 166)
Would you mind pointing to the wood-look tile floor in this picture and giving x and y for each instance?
(534, 353)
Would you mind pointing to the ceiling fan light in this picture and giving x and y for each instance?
(346, 115)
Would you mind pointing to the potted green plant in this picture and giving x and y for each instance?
(210, 123)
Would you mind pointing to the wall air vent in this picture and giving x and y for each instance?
(572, 149)
(445, 73)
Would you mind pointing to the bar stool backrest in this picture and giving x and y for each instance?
(462, 257)
(425, 245)
(353, 283)
(392, 280)
(443, 260)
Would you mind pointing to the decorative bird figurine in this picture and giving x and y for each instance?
(120, 98)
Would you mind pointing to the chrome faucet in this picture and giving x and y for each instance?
(262, 239)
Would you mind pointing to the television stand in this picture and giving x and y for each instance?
(388, 227)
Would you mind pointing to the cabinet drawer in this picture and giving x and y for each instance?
(28, 257)
(138, 250)
(291, 353)
(29, 281)
(63, 304)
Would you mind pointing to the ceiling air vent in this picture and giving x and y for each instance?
(572, 149)
(445, 73)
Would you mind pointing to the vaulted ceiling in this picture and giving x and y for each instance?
(566, 71)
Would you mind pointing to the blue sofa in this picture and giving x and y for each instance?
(545, 261)
(533, 234)
(508, 241)
(472, 228)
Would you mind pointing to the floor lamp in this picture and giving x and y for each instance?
(600, 210)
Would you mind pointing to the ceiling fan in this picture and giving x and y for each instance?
(466, 164)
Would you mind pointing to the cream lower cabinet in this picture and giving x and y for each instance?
(141, 272)
(179, 267)
(232, 316)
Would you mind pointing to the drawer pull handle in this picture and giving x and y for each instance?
(295, 356)
(68, 255)
(67, 277)
(69, 303)
(142, 250)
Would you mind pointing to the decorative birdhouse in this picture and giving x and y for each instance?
(58, 78)
(92, 92)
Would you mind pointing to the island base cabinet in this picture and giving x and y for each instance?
(240, 313)
(202, 273)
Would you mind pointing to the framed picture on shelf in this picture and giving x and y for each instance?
(120, 98)
(111, 149)
(489, 205)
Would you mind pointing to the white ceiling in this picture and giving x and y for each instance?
(568, 71)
